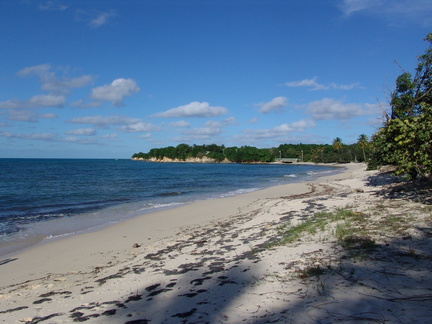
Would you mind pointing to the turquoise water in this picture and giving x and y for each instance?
(45, 198)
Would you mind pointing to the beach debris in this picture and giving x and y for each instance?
(43, 300)
(136, 245)
(185, 314)
(152, 287)
(133, 298)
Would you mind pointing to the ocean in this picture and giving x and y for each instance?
(43, 199)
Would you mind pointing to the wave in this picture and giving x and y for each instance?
(238, 192)
(170, 194)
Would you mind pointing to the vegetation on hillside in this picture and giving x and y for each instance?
(248, 154)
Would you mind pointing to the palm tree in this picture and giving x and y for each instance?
(337, 144)
(363, 142)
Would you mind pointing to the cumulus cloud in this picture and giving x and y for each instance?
(116, 91)
(297, 126)
(48, 116)
(219, 124)
(194, 109)
(109, 136)
(33, 136)
(104, 121)
(125, 124)
(28, 116)
(180, 123)
(314, 85)
(138, 127)
(329, 108)
(40, 69)
(82, 104)
(38, 101)
(80, 140)
(204, 131)
(50, 81)
(279, 131)
(82, 132)
(276, 104)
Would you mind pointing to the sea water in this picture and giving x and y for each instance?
(50, 198)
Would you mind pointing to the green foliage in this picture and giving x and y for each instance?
(318, 223)
(212, 151)
(406, 138)
(363, 144)
(318, 153)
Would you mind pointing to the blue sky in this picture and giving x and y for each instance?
(106, 79)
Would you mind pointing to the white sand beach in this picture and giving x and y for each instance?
(364, 255)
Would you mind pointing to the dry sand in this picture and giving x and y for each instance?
(221, 261)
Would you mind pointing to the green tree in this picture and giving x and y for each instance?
(405, 139)
(337, 144)
(182, 151)
(363, 142)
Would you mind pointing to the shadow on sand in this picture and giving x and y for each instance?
(390, 282)
(386, 282)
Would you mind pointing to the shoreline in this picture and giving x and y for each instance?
(215, 261)
(9, 249)
(151, 219)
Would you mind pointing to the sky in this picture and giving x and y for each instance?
(107, 79)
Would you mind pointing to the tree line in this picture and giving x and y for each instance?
(404, 140)
(318, 153)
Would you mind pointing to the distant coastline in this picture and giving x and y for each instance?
(206, 159)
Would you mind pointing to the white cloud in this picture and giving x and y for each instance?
(109, 136)
(28, 116)
(104, 121)
(116, 91)
(194, 109)
(80, 140)
(297, 126)
(81, 104)
(349, 7)
(223, 123)
(314, 85)
(50, 82)
(329, 108)
(33, 136)
(57, 85)
(40, 69)
(82, 132)
(52, 6)
(276, 104)
(23, 115)
(396, 12)
(204, 131)
(101, 19)
(280, 131)
(94, 18)
(38, 101)
(48, 116)
(180, 123)
(139, 127)
(128, 125)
